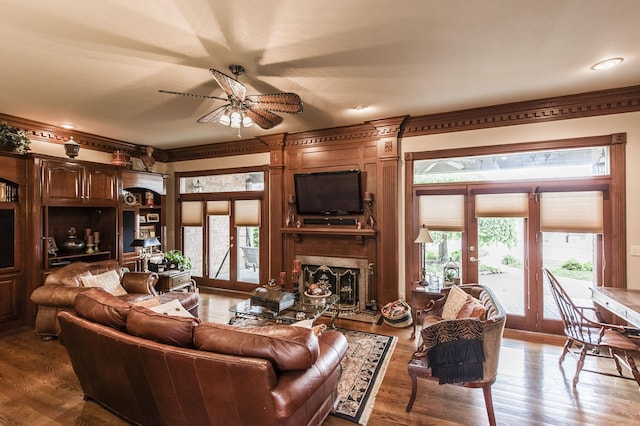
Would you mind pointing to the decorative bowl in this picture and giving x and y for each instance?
(318, 299)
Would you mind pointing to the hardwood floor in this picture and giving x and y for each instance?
(38, 386)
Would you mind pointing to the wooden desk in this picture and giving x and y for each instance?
(620, 302)
(420, 298)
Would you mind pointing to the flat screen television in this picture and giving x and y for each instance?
(329, 193)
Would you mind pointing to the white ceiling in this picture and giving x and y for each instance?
(99, 64)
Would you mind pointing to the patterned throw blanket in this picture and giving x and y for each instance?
(454, 350)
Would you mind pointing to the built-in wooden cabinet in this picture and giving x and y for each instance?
(142, 212)
(73, 182)
(12, 231)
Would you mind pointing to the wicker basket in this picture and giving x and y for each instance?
(397, 314)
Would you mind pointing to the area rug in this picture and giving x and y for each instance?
(363, 369)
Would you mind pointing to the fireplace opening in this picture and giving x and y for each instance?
(345, 277)
(340, 281)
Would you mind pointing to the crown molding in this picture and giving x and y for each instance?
(603, 102)
(589, 104)
(53, 134)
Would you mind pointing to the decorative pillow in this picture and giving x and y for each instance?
(472, 308)
(103, 308)
(288, 348)
(110, 281)
(172, 307)
(161, 328)
(456, 298)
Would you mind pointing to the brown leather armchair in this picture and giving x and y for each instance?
(63, 285)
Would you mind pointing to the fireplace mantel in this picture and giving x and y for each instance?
(358, 234)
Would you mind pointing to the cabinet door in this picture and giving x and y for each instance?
(9, 307)
(100, 184)
(62, 181)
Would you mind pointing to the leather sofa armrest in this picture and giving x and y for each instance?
(56, 295)
(140, 282)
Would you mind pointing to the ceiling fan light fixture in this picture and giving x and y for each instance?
(246, 120)
(225, 120)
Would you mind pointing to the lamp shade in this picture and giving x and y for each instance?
(146, 242)
(424, 236)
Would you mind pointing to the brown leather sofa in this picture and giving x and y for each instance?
(62, 286)
(154, 369)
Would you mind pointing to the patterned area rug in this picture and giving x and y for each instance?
(363, 367)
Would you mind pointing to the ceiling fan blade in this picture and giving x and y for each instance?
(213, 115)
(263, 118)
(231, 86)
(192, 95)
(280, 102)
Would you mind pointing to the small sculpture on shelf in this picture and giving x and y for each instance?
(147, 160)
(73, 243)
(291, 217)
(368, 210)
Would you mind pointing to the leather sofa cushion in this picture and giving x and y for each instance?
(288, 348)
(161, 328)
(99, 306)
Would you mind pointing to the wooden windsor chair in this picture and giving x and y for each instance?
(593, 337)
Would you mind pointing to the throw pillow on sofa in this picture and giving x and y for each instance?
(161, 328)
(472, 308)
(455, 300)
(103, 308)
(110, 281)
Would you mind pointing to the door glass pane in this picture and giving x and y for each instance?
(501, 260)
(446, 247)
(248, 254)
(570, 258)
(219, 238)
(193, 248)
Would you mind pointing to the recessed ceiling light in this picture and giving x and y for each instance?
(607, 64)
(360, 107)
(67, 126)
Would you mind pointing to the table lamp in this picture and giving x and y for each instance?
(423, 238)
(145, 244)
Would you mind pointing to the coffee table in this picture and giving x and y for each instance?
(304, 309)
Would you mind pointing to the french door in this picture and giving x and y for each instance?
(223, 240)
(502, 235)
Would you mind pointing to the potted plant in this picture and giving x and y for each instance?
(176, 257)
(13, 139)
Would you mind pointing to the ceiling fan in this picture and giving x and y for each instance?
(242, 110)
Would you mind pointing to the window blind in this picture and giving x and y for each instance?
(580, 212)
(442, 212)
(502, 205)
(218, 208)
(247, 212)
(191, 213)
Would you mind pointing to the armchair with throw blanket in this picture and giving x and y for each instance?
(460, 342)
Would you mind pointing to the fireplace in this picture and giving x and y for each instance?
(346, 277)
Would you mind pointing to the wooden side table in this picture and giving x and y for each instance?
(420, 298)
(175, 281)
